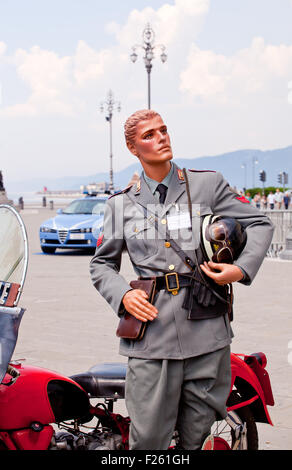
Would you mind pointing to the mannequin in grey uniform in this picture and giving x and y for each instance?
(179, 373)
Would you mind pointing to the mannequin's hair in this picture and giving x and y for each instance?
(132, 121)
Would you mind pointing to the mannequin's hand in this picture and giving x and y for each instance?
(136, 303)
(222, 273)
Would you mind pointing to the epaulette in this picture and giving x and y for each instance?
(122, 191)
(202, 171)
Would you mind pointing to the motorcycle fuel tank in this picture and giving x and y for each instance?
(40, 395)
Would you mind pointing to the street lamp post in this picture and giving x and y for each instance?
(254, 162)
(110, 103)
(244, 166)
(148, 47)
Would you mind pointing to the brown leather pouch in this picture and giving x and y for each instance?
(129, 326)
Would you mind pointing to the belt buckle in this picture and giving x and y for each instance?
(173, 290)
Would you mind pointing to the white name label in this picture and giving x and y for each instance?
(178, 221)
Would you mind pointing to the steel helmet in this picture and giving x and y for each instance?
(222, 238)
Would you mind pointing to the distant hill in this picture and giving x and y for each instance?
(230, 164)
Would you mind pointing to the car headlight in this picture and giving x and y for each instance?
(47, 229)
(82, 230)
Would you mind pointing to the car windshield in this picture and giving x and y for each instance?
(85, 206)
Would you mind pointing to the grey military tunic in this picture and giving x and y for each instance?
(171, 335)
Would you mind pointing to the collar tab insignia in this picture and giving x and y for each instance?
(180, 174)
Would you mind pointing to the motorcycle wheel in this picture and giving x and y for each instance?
(223, 432)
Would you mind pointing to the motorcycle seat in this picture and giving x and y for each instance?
(106, 380)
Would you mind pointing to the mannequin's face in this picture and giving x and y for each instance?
(152, 142)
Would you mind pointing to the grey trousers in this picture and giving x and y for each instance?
(186, 394)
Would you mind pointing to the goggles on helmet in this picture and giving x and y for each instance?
(223, 238)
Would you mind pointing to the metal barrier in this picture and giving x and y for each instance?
(282, 220)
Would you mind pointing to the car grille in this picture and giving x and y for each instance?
(62, 235)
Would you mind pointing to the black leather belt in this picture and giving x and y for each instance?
(171, 282)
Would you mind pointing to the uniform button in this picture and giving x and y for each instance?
(167, 244)
(171, 267)
(163, 221)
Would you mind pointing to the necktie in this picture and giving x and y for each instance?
(162, 189)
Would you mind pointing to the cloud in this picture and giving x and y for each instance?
(250, 71)
(48, 76)
(62, 85)
(170, 22)
(89, 64)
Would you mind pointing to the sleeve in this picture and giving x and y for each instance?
(259, 228)
(106, 262)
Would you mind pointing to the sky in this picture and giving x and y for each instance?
(226, 84)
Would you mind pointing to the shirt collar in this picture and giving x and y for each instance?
(153, 184)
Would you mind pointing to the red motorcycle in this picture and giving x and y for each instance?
(35, 402)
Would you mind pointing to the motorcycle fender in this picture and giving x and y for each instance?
(243, 378)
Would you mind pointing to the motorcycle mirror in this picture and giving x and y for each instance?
(13, 256)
